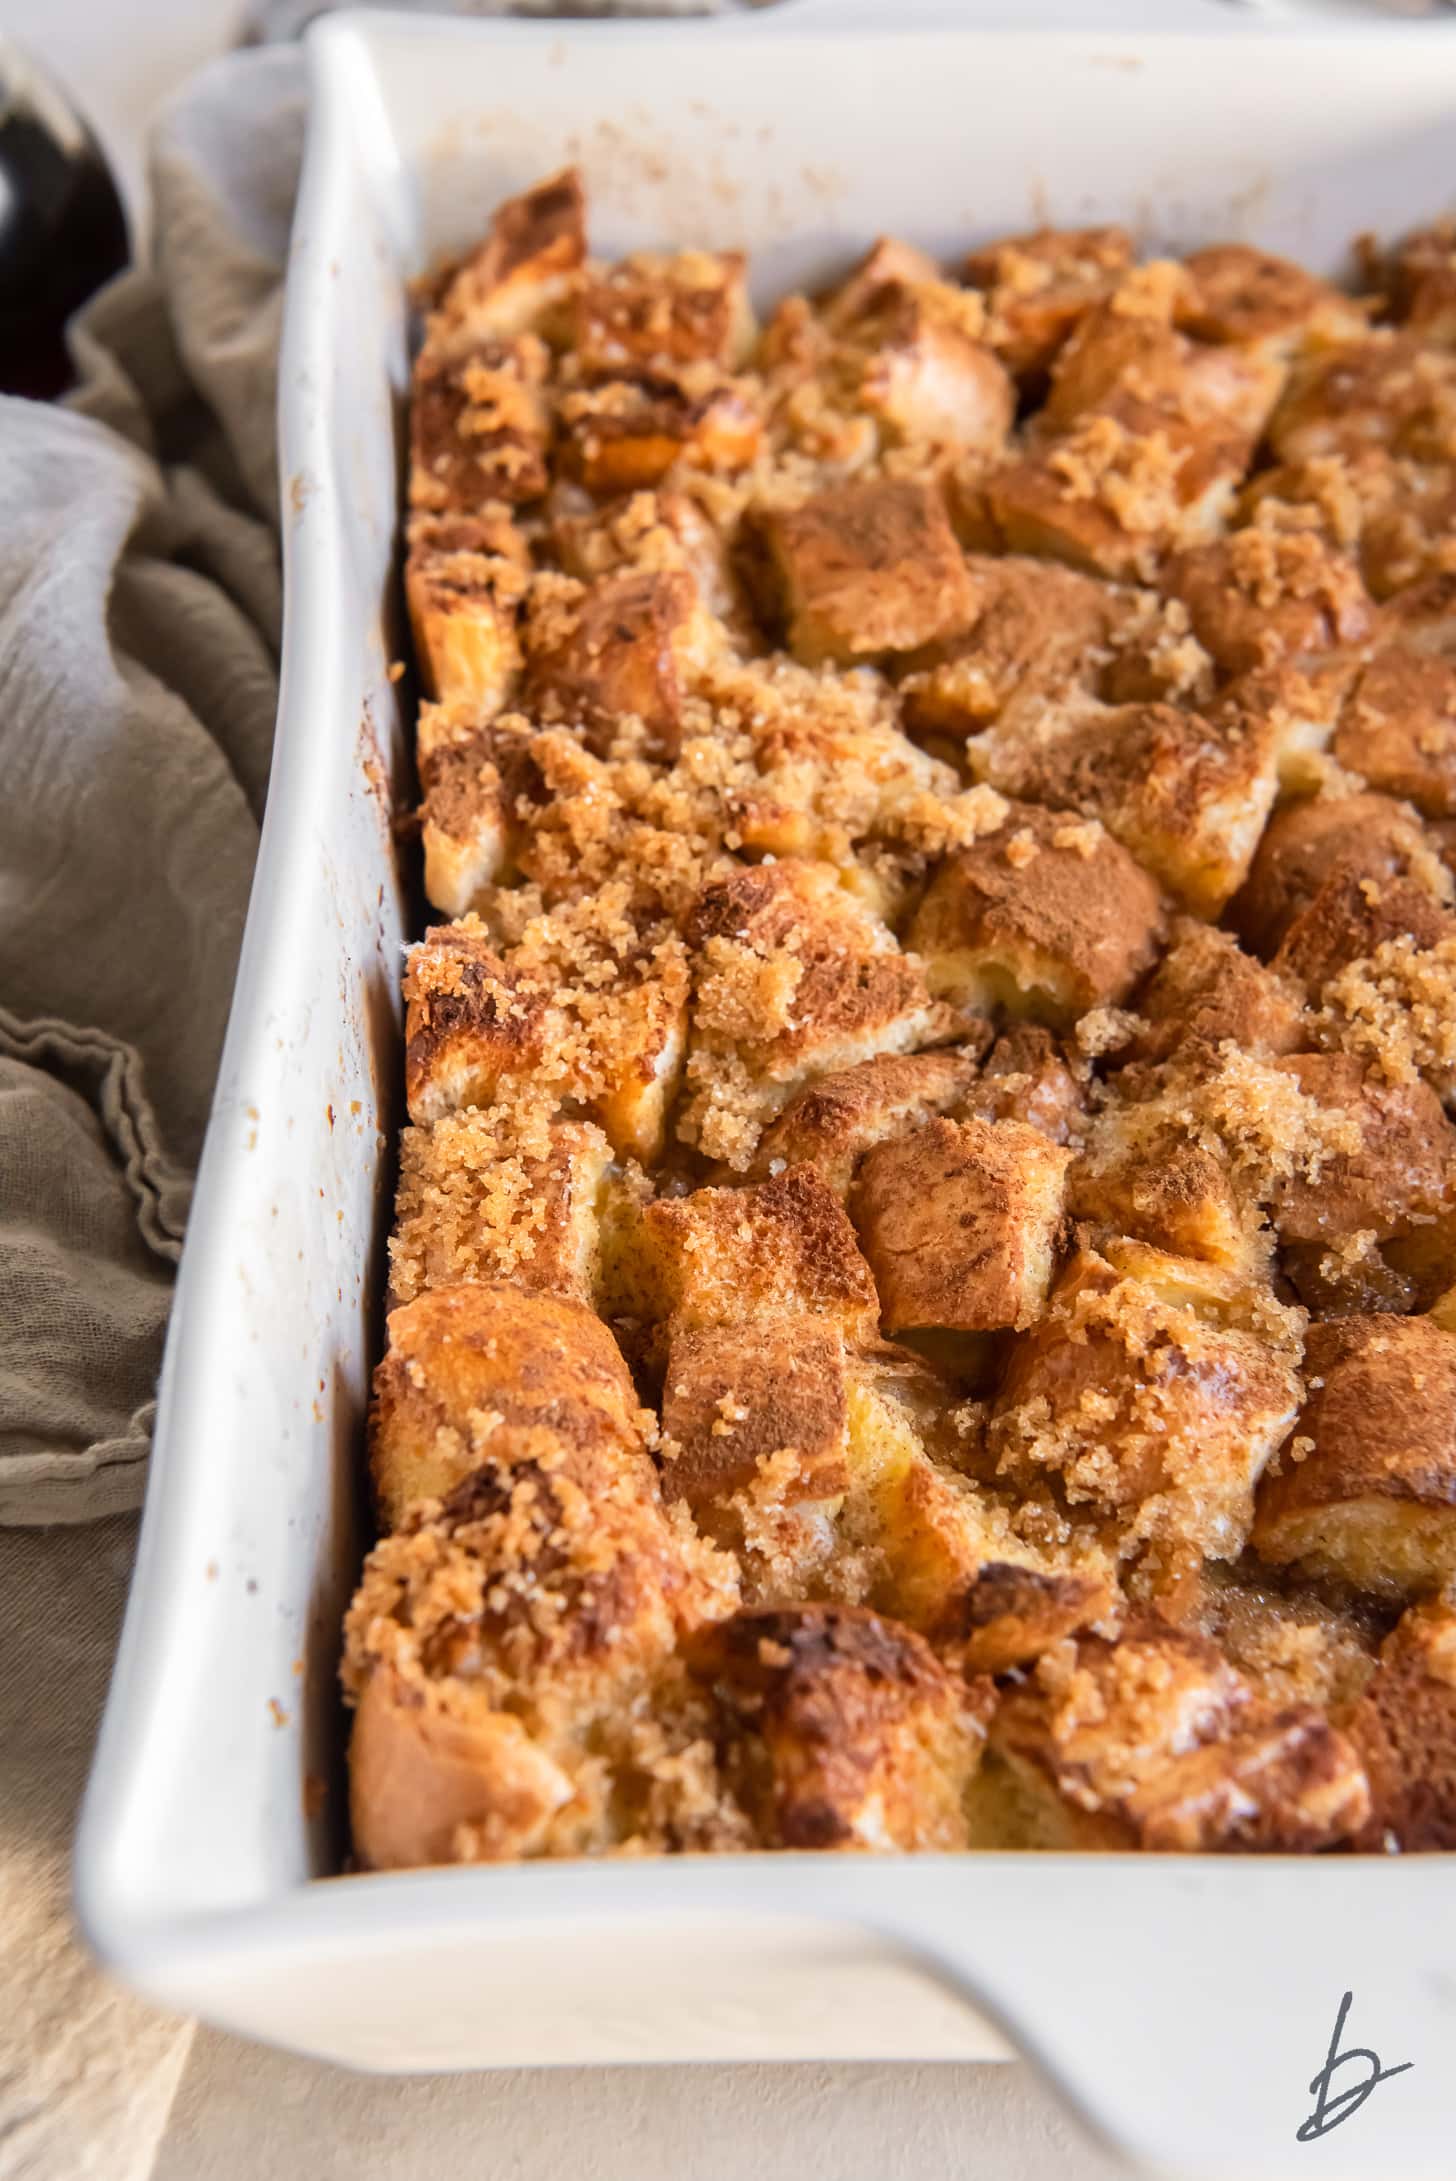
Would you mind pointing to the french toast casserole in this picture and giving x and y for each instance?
(923, 1293)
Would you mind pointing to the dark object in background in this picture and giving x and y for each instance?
(62, 228)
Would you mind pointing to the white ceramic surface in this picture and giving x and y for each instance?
(1183, 2005)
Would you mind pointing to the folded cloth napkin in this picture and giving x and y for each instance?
(140, 610)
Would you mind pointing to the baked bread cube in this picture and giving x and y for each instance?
(1397, 730)
(1129, 346)
(465, 577)
(1039, 286)
(566, 1016)
(653, 312)
(1155, 1389)
(1151, 1741)
(497, 1652)
(476, 780)
(480, 1199)
(1365, 1490)
(1420, 616)
(665, 532)
(625, 648)
(1419, 279)
(625, 435)
(961, 1223)
(737, 1400)
(749, 1256)
(524, 270)
(1032, 627)
(1258, 598)
(1263, 304)
(1146, 1173)
(793, 978)
(925, 379)
(1121, 489)
(1404, 1727)
(1046, 918)
(831, 1125)
(1352, 919)
(888, 263)
(1386, 1164)
(1009, 1615)
(1306, 843)
(1387, 391)
(479, 427)
(1186, 794)
(1026, 1078)
(842, 1729)
(1207, 991)
(465, 1363)
(865, 570)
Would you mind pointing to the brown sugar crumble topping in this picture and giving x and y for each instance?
(923, 1287)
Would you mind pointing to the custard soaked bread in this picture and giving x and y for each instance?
(922, 1302)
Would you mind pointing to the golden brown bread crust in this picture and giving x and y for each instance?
(1365, 1489)
(961, 1223)
(1404, 1727)
(467, 1362)
(1048, 917)
(867, 570)
(831, 1125)
(765, 1028)
(843, 1730)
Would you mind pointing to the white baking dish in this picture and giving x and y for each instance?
(1183, 2005)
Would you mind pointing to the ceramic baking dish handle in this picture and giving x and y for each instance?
(1336, 2052)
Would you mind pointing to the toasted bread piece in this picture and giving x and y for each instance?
(1143, 1173)
(1187, 795)
(1386, 391)
(1307, 843)
(1365, 1490)
(1129, 347)
(745, 1256)
(793, 978)
(475, 779)
(737, 1397)
(887, 264)
(1039, 286)
(1126, 485)
(1420, 616)
(1389, 1162)
(1263, 304)
(624, 648)
(478, 1199)
(1151, 1741)
(1156, 1388)
(479, 427)
(1352, 919)
(464, 581)
(665, 532)
(844, 1730)
(1405, 1730)
(1207, 989)
(865, 570)
(1397, 730)
(497, 1649)
(625, 435)
(960, 1222)
(1032, 627)
(464, 1363)
(1047, 918)
(522, 272)
(925, 379)
(1259, 597)
(589, 1008)
(831, 1125)
(1026, 1078)
(1010, 1615)
(654, 312)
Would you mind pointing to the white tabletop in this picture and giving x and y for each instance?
(242, 2111)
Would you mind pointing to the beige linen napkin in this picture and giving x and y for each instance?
(139, 623)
